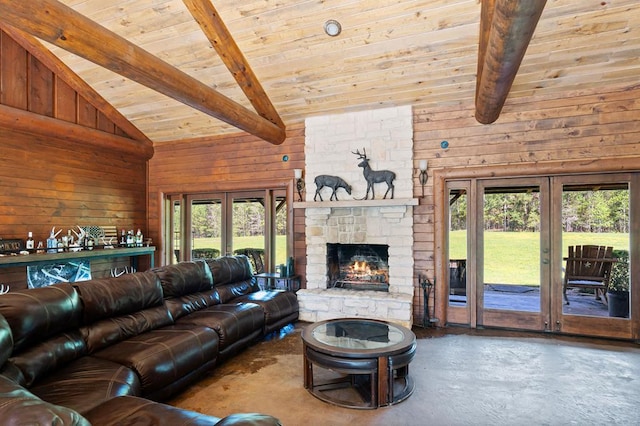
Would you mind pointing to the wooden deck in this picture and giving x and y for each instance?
(527, 299)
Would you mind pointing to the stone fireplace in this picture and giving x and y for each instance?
(387, 137)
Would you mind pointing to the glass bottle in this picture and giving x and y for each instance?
(30, 244)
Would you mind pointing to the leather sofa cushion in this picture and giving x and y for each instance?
(41, 359)
(231, 321)
(6, 340)
(229, 269)
(110, 331)
(112, 297)
(86, 383)
(184, 278)
(18, 406)
(137, 411)
(228, 292)
(36, 314)
(277, 304)
(184, 305)
(162, 356)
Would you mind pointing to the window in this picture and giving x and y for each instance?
(248, 222)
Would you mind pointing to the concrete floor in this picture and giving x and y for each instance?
(463, 377)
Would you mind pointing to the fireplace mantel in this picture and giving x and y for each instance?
(355, 203)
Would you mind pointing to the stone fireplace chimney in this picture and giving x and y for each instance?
(387, 137)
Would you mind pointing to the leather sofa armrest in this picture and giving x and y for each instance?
(135, 410)
(21, 407)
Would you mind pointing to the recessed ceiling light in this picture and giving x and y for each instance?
(332, 27)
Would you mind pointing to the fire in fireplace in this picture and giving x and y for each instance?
(358, 266)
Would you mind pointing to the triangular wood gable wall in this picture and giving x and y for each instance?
(39, 91)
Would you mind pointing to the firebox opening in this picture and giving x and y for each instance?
(358, 266)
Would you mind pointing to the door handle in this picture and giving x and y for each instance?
(545, 261)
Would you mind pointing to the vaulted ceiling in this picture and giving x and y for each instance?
(389, 53)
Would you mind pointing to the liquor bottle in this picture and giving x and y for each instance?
(139, 238)
(30, 244)
(52, 243)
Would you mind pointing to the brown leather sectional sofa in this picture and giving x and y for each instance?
(104, 351)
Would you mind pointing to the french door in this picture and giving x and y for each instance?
(514, 253)
(506, 244)
(611, 206)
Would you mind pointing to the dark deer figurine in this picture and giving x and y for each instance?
(374, 176)
(333, 182)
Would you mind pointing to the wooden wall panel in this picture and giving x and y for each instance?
(87, 114)
(28, 84)
(104, 124)
(14, 74)
(46, 182)
(65, 102)
(220, 164)
(40, 88)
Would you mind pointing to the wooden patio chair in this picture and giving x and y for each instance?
(588, 266)
(256, 257)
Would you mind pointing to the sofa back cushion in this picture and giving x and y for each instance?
(187, 287)
(111, 297)
(37, 314)
(118, 308)
(6, 341)
(30, 365)
(228, 292)
(230, 269)
(180, 306)
(184, 278)
(45, 328)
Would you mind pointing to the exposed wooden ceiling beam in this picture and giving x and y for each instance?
(486, 17)
(511, 28)
(58, 24)
(222, 41)
(28, 122)
(44, 55)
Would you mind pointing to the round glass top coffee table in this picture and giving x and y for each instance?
(359, 363)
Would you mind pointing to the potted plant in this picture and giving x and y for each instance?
(618, 290)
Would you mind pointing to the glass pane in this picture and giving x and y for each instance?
(281, 229)
(206, 229)
(512, 248)
(176, 237)
(249, 230)
(458, 247)
(595, 220)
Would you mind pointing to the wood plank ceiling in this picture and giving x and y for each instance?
(419, 52)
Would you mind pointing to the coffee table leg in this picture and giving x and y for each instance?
(383, 381)
(308, 370)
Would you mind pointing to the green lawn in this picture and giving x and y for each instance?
(510, 257)
(247, 242)
(513, 257)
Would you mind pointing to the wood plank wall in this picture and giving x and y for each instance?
(578, 132)
(226, 163)
(534, 133)
(48, 180)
